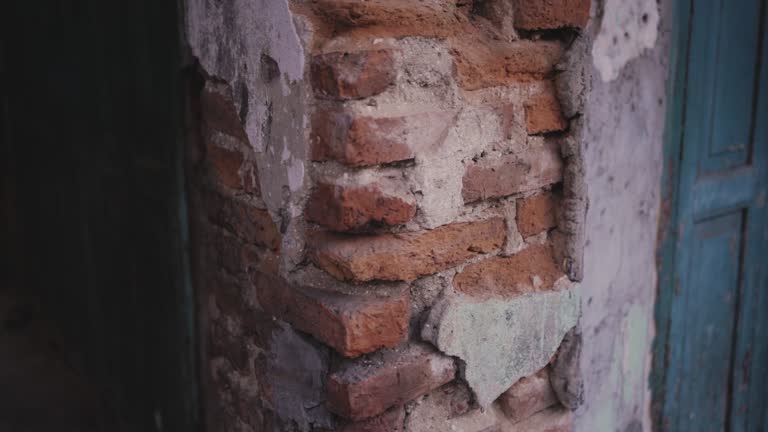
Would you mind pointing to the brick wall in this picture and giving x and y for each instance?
(431, 279)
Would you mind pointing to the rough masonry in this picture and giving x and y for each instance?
(387, 210)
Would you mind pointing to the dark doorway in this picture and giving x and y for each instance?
(96, 309)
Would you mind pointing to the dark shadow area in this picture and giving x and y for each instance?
(96, 313)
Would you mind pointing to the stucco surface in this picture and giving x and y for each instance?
(622, 148)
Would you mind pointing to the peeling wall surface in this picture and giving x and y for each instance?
(623, 159)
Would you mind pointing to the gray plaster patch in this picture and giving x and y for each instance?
(627, 29)
(502, 340)
(296, 370)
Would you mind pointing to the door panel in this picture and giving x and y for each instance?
(710, 357)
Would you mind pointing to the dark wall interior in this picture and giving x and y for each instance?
(95, 303)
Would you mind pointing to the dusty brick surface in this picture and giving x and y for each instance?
(218, 112)
(483, 63)
(536, 168)
(352, 325)
(543, 114)
(528, 396)
(225, 164)
(252, 224)
(352, 75)
(406, 256)
(531, 270)
(551, 14)
(346, 208)
(392, 18)
(536, 213)
(390, 421)
(359, 140)
(361, 391)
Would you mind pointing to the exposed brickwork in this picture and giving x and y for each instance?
(352, 325)
(530, 270)
(551, 14)
(359, 140)
(510, 174)
(344, 208)
(543, 114)
(394, 257)
(433, 135)
(363, 391)
(352, 75)
(536, 214)
(528, 396)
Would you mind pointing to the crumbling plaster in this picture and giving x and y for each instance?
(257, 47)
(622, 150)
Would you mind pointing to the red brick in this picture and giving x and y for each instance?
(482, 63)
(555, 419)
(358, 141)
(551, 14)
(406, 256)
(219, 113)
(391, 421)
(364, 390)
(352, 325)
(528, 396)
(531, 270)
(225, 165)
(252, 224)
(352, 75)
(390, 18)
(543, 113)
(536, 214)
(345, 208)
(533, 169)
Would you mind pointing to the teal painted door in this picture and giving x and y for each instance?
(711, 353)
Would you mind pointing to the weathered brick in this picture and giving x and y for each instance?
(358, 140)
(528, 396)
(543, 113)
(352, 325)
(551, 14)
(533, 169)
(225, 165)
(536, 214)
(352, 75)
(531, 270)
(391, 18)
(219, 113)
(484, 63)
(406, 256)
(390, 421)
(362, 140)
(555, 419)
(364, 390)
(252, 224)
(345, 208)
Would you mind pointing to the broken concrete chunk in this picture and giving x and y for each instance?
(565, 375)
(500, 339)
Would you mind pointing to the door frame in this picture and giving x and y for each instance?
(668, 285)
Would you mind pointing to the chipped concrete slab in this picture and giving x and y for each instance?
(501, 340)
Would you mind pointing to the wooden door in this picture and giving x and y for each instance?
(711, 353)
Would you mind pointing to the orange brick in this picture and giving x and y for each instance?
(352, 75)
(551, 14)
(543, 113)
(406, 256)
(536, 214)
(352, 325)
(345, 208)
(535, 168)
(360, 391)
